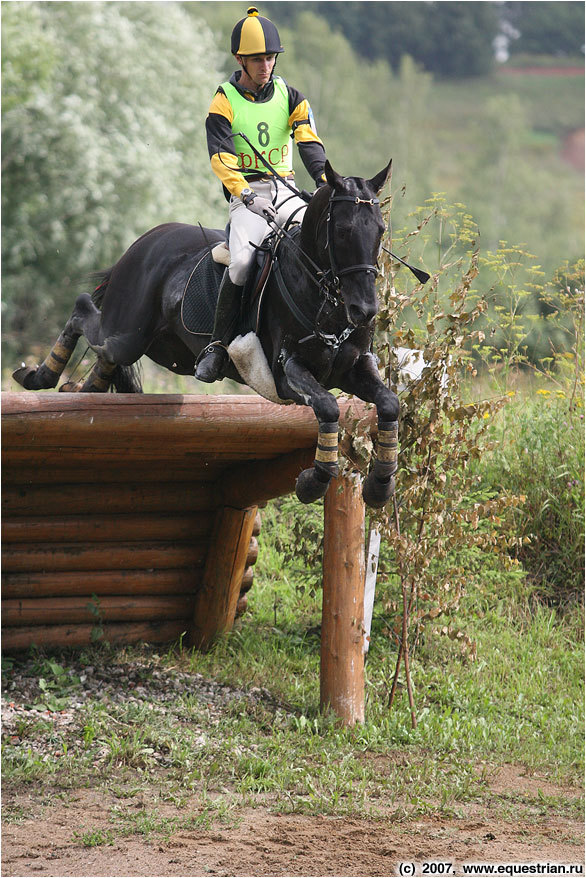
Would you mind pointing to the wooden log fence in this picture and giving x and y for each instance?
(131, 518)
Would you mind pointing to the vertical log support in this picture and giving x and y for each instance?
(216, 601)
(342, 657)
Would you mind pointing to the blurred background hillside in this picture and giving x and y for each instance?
(104, 107)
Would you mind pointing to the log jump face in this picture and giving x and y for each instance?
(342, 657)
(147, 507)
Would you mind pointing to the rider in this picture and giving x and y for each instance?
(270, 113)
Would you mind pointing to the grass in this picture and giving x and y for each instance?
(172, 758)
(457, 101)
(521, 702)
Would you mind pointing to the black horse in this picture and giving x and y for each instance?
(315, 325)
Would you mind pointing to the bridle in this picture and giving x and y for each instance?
(327, 280)
(337, 273)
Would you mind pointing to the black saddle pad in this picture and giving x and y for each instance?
(200, 297)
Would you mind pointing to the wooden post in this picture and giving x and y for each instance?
(215, 602)
(342, 658)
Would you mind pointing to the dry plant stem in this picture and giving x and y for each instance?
(579, 334)
(404, 646)
(405, 639)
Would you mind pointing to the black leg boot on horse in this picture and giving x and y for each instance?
(213, 360)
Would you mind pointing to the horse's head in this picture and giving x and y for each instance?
(352, 239)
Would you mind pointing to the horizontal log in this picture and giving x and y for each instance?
(58, 500)
(252, 555)
(18, 558)
(156, 426)
(141, 456)
(106, 528)
(247, 580)
(85, 610)
(257, 525)
(54, 636)
(26, 466)
(137, 423)
(102, 582)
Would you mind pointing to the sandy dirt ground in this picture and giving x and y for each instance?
(260, 842)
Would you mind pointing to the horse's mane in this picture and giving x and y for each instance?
(311, 217)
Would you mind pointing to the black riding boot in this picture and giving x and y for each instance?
(213, 360)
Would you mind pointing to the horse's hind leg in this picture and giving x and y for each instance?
(98, 380)
(49, 372)
(85, 320)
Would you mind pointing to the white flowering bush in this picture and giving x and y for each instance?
(104, 106)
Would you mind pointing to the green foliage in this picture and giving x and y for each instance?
(102, 139)
(551, 28)
(84, 174)
(443, 516)
(541, 456)
(450, 39)
(486, 475)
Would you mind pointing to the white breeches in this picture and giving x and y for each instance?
(246, 228)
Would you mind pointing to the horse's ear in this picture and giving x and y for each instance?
(334, 179)
(379, 180)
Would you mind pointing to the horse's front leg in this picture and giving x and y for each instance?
(313, 483)
(363, 381)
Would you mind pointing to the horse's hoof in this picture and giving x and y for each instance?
(377, 493)
(25, 377)
(309, 487)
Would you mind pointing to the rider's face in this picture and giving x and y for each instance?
(258, 69)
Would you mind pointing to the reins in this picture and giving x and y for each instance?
(327, 280)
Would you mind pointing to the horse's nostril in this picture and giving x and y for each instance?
(361, 315)
(357, 315)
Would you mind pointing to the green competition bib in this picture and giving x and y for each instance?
(267, 127)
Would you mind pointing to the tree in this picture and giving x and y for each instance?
(447, 38)
(104, 105)
(546, 28)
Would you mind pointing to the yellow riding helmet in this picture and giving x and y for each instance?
(255, 35)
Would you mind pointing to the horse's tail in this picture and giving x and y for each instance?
(102, 278)
(125, 379)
